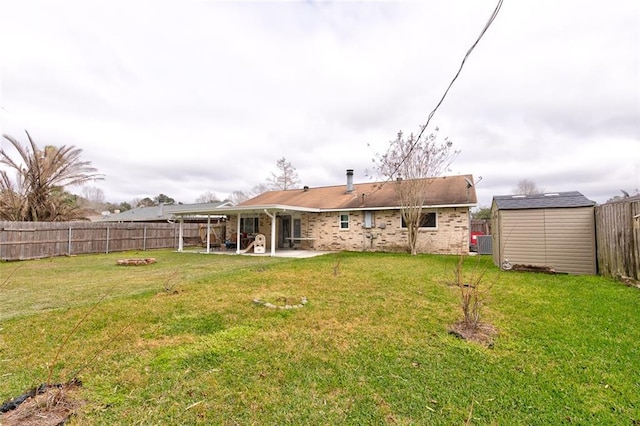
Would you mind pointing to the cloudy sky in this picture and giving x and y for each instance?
(185, 97)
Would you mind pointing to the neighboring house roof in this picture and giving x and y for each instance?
(163, 212)
(542, 201)
(625, 199)
(442, 191)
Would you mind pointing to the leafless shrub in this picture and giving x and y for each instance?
(169, 285)
(472, 288)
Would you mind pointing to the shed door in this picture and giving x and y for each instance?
(570, 240)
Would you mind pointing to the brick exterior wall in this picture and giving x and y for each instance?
(451, 236)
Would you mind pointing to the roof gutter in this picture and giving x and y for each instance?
(434, 206)
(283, 208)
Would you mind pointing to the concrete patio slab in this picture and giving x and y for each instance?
(295, 254)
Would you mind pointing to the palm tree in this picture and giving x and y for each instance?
(41, 174)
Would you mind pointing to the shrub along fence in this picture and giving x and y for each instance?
(33, 240)
(618, 239)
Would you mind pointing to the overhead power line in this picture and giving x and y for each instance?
(455, 77)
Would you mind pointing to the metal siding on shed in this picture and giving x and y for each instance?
(522, 236)
(570, 240)
(561, 234)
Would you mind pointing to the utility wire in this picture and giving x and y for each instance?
(431, 114)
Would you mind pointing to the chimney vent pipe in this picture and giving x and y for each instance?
(349, 180)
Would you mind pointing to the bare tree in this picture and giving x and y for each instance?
(408, 162)
(37, 193)
(287, 178)
(92, 198)
(207, 197)
(527, 187)
(237, 197)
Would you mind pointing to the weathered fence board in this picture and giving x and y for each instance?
(618, 239)
(34, 240)
(481, 225)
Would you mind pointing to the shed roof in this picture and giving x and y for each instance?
(442, 191)
(542, 201)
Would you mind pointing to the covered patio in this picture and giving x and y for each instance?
(242, 242)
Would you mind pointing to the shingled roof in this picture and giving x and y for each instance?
(161, 212)
(442, 191)
(542, 201)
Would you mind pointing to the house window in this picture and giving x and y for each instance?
(427, 220)
(344, 220)
(368, 219)
(297, 228)
(249, 225)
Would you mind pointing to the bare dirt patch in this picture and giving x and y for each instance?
(136, 262)
(283, 302)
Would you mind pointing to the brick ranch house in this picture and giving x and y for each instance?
(352, 217)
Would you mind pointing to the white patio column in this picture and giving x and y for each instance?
(208, 232)
(180, 235)
(273, 232)
(238, 235)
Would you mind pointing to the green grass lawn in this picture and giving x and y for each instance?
(181, 341)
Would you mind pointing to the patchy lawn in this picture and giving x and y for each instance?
(182, 341)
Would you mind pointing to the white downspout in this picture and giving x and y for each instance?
(180, 235)
(273, 232)
(238, 235)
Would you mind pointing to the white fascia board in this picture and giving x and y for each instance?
(283, 208)
(248, 209)
(435, 206)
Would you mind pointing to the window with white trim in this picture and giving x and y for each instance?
(249, 225)
(427, 220)
(344, 220)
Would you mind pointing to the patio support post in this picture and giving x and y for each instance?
(238, 235)
(208, 232)
(180, 236)
(273, 232)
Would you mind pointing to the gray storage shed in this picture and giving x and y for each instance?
(552, 230)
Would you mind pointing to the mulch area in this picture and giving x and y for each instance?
(481, 333)
(42, 406)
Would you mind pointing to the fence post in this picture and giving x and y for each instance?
(107, 250)
(144, 239)
(69, 250)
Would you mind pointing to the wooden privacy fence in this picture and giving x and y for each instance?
(481, 225)
(33, 240)
(618, 239)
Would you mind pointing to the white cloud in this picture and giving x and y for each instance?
(182, 98)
